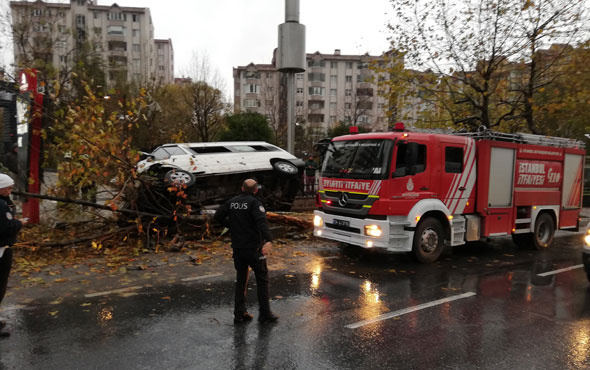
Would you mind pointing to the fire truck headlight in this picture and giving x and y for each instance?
(317, 221)
(373, 230)
(369, 244)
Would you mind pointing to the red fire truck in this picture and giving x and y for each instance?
(420, 192)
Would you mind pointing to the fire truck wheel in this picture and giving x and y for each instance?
(428, 240)
(544, 231)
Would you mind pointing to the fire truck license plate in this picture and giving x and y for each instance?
(341, 223)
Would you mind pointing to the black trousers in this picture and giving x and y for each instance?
(5, 265)
(244, 258)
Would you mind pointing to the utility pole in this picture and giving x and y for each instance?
(291, 60)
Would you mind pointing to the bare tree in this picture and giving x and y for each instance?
(206, 96)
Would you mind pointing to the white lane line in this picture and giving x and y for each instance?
(404, 311)
(560, 270)
(122, 290)
(200, 277)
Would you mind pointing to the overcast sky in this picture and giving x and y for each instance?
(236, 32)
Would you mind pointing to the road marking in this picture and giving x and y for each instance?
(404, 311)
(122, 290)
(560, 270)
(15, 307)
(200, 277)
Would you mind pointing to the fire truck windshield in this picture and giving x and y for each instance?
(359, 159)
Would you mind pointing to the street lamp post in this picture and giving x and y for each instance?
(291, 60)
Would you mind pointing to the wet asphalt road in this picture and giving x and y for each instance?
(499, 314)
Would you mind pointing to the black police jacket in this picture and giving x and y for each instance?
(9, 226)
(246, 218)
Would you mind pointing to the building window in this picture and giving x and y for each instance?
(333, 92)
(135, 33)
(333, 105)
(98, 30)
(135, 17)
(333, 119)
(251, 103)
(96, 15)
(316, 63)
(348, 92)
(347, 105)
(116, 30)
(348, 65)
(253, 75)
(348, 79)
(47, 12)
(137, 48)
(315, 90)
(61, 44)
(299, 103)
(363, 119)
(136, 64)
(80, 20)
(364, 92)
(300, 90)
(316, 77)
(36, 12)
(81, 2)
(251, 89)
(116, 16)
(333, 64)
(333, 79)
(299, 76)
(63, 59)
(61, 28)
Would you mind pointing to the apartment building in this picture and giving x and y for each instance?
(334, 89)
(122, 36)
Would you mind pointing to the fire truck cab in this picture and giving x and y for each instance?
(420, 192)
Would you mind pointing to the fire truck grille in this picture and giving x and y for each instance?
(354, 196)
(344, 228)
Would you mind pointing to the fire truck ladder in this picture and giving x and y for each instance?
(561, 142)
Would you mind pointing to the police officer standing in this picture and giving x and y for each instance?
(251, 242)
(9, 228)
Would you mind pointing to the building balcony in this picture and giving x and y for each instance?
(315, 112)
